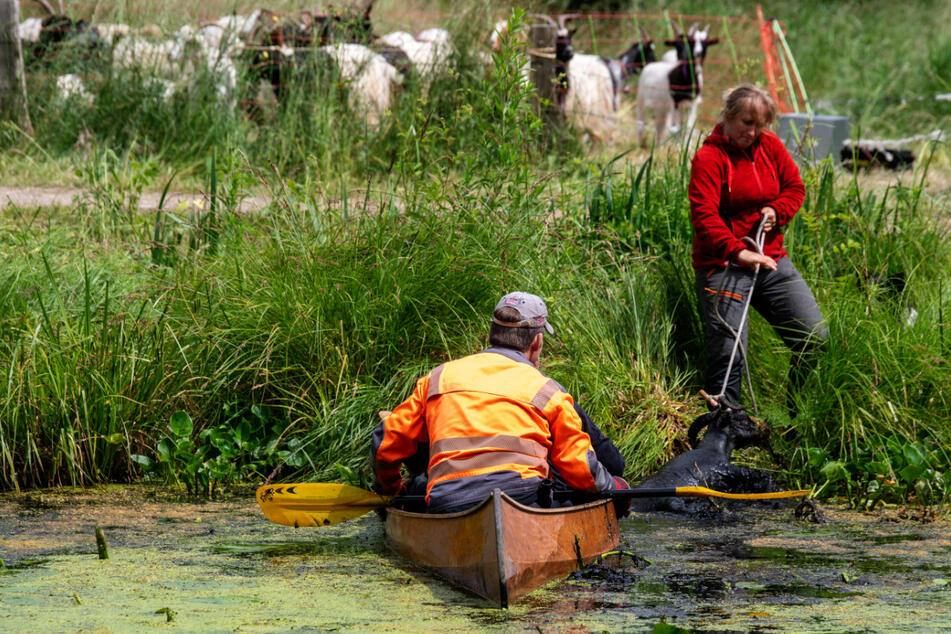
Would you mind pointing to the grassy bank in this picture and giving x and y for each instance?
(208, 347)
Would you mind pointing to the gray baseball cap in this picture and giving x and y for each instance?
(530, 307)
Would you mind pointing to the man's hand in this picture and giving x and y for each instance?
(750, 259)
(769, 219)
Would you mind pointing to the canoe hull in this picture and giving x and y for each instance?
(502, 550)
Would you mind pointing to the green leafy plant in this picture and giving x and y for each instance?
(900, 471)
(219, 456)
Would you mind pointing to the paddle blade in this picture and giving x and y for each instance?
(316, 503)
(703, 492)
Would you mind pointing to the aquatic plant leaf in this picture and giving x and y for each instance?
(924, 492)
(144, 461)
(834, 470)
(915, 454)
(242, 433)
(817, 456)
(910, 473)
(181, 424)
(165, 450)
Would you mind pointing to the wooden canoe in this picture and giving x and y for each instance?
(500, 549)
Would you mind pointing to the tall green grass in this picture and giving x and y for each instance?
(282, 332)
(878, 263)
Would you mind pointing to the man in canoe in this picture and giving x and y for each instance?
(494, 420)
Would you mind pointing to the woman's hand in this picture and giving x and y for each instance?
(750, 259)
(769, 219)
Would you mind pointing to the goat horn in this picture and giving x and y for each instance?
(542, 16)
(564, 18)
(692, 30)
(677, 32)
(46, 5)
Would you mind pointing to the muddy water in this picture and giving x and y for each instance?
(222, 567)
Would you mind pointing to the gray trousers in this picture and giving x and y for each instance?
(782, 297)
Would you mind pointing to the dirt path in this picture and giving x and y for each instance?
(68, 196)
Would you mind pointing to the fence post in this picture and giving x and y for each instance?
(12, 77)
(542, 52)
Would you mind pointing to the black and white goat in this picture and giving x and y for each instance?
(563, 52)
(668, 86)
(595, 85)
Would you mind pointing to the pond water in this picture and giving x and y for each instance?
(222, 566)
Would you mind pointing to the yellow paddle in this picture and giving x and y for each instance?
(322, 504)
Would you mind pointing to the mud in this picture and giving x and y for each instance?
(222, 567)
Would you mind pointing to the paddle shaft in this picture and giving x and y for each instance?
(653, 492)
(322, 504)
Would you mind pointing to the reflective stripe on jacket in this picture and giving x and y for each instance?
(483, 415)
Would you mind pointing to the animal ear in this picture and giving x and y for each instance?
(711, 42)
(671, 42)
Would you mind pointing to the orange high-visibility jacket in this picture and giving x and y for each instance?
(485, 417)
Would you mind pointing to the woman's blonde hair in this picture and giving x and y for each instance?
(737, 99)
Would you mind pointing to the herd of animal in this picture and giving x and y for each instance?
(272, 47)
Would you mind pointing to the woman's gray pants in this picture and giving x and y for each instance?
(781, 296)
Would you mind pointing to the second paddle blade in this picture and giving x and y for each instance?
(315, 503)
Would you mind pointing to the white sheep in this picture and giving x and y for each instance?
(372, 80)
(429, 57)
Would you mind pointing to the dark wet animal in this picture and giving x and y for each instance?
(708, 464)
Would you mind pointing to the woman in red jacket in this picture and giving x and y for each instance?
(742, 176)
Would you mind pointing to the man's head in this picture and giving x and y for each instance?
(519, 320)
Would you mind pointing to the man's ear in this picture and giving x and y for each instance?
(537, 342)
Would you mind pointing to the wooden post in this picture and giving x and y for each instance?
(12, 77)
(542, 51)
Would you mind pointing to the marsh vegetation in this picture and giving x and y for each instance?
(208, 346)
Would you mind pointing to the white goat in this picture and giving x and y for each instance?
(665, 86)
(371, 79)
(595, 85)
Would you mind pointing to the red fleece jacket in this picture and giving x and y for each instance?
(729, 188)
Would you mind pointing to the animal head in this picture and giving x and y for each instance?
(639, 55)
(692, 46)
(563, 49)
(733, 423)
